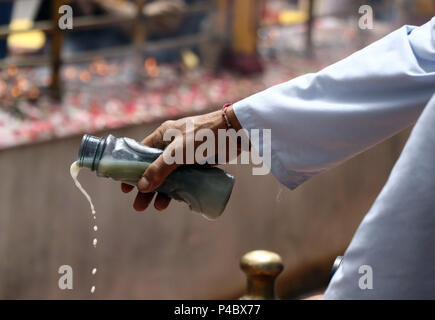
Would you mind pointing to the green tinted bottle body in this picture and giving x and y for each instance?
(206, 190)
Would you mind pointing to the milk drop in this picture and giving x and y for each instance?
(94, 242)
(94, 271)
(95, 228)
(93, 289)
(278, 196)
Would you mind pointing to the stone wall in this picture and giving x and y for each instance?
(45, 223)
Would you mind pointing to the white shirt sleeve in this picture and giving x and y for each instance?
(320, 120)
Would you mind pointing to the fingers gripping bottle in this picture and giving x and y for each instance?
(205, 189)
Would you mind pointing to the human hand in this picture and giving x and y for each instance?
(159, 170)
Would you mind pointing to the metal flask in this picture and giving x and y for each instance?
(205, 189)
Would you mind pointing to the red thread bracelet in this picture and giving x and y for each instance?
(224, 115)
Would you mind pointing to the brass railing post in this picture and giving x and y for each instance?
(139, 36)
(223, 8)
(261, 268)
(309, 31)
(56, 50)
(245, 25)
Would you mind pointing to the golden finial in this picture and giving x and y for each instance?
(261, 268)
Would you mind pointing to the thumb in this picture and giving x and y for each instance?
(155, 174)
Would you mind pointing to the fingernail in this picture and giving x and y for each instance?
(143, 184)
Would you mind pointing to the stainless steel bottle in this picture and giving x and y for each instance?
(205, 189)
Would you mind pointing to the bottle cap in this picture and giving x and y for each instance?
(90, 152)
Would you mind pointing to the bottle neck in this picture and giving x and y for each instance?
(90, 152)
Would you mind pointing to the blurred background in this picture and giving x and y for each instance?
(123, 68)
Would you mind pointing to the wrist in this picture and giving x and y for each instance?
(232, 118)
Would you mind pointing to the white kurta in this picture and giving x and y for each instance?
(397, 237)
(320, 120)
